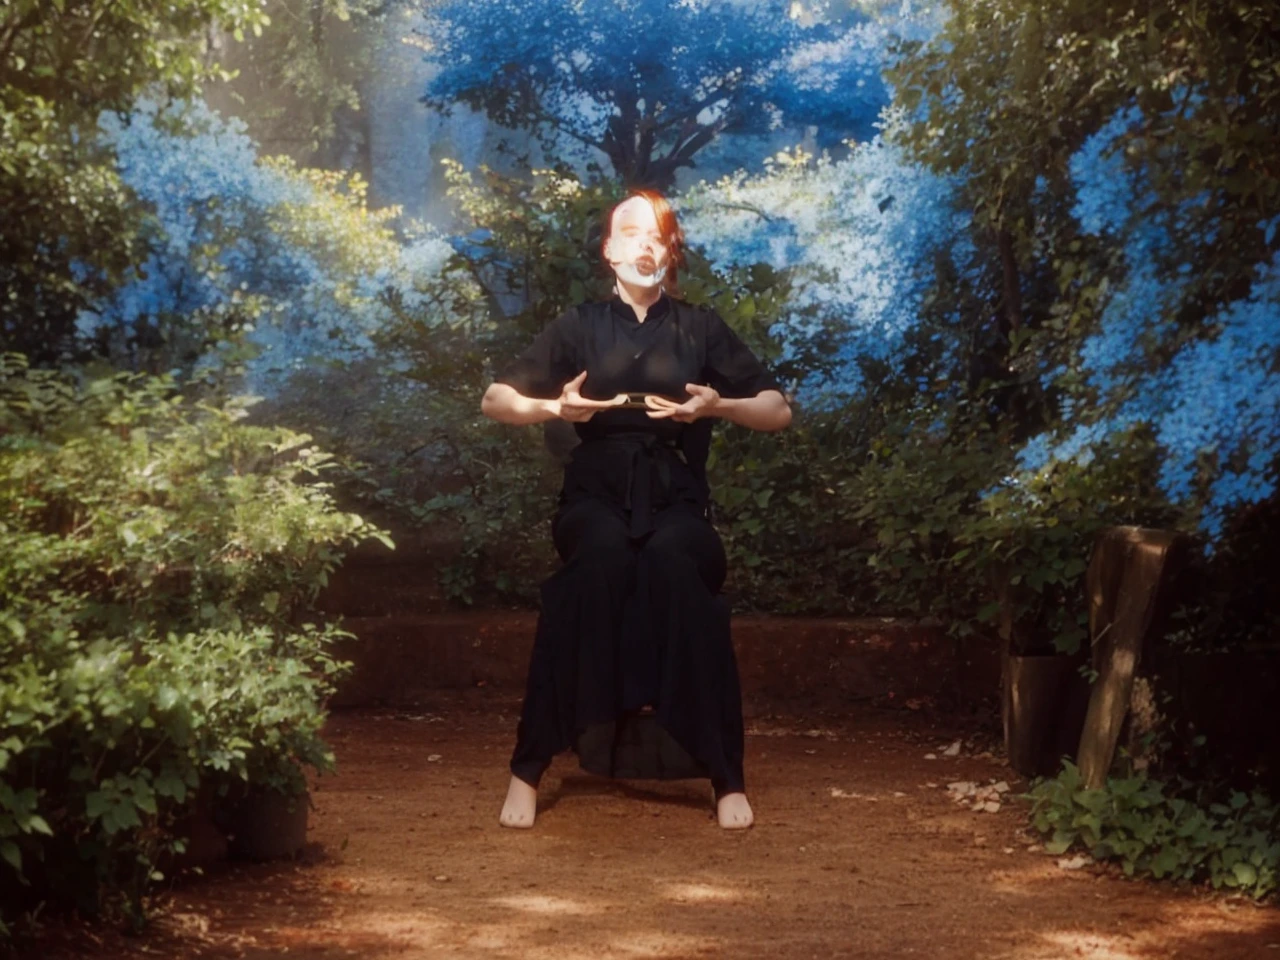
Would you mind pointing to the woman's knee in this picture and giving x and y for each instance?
(587, 533)
(603, 554)
(685, 549)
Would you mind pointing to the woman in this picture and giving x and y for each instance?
(632, 664)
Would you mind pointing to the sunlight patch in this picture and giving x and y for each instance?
(1092, 945)
(663, 945)
(543, 904)
(701, 893)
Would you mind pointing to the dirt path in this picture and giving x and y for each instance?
(858, 851)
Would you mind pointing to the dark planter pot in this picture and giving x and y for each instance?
(245, 823)
(1044, 703)
(206, 842)
(268, 825)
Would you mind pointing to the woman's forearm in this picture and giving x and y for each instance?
(767, 410)
(506, 405)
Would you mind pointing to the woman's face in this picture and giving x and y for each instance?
(635, 237)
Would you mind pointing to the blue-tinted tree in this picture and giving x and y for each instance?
(1204, 379)
(864, 239)
(650, 83)
(253, 253)
(61, 64)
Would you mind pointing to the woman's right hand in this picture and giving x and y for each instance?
(576, 408)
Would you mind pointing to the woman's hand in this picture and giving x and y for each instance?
(576, 408)
(705, 402)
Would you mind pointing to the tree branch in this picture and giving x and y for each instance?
(748, 207)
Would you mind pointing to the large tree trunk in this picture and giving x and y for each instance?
(631, 139)
(1021, 401)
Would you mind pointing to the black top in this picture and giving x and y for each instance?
(677, 343)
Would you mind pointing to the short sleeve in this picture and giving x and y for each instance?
(548, 363)
(731, 367)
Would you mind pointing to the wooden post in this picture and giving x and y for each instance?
(1126, 572)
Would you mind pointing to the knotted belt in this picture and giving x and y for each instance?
(648, 465)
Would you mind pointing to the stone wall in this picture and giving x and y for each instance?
(411, 643)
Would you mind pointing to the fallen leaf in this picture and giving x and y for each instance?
(844, 794)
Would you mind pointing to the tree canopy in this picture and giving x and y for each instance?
(651, 83)
(1119, 163)
(70, 225)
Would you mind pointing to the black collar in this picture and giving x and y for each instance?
(657, 309)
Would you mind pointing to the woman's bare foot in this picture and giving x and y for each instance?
(734, 812)
(521, 806)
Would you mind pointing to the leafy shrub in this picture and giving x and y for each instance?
(897, 519)
(1151, 831)
(157, 560)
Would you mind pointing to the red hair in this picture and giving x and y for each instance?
(668, 228)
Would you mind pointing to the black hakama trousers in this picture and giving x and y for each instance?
(627, 623)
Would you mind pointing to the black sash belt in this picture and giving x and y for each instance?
(648, 465)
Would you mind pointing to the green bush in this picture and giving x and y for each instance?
(1030, 539)
(157, 563)
(1142, 824)
(895, 519)
(418, 456)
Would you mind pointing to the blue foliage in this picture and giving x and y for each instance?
(204, 190)
(863, 238)
(1213, 402)
(220, 261)
(737, 67)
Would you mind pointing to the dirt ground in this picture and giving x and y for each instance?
(859, 850)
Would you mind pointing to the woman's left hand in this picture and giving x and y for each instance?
(703, 403)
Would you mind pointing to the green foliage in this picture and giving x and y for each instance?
(787, 533)
(157, 561)
(1150, 830)
(1219, 605)
(61, 64)
(1032, 535)
(334, 223)
(405, 424)
(539, 247)
(1012, 88)
(859, 509)
(297, 82)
